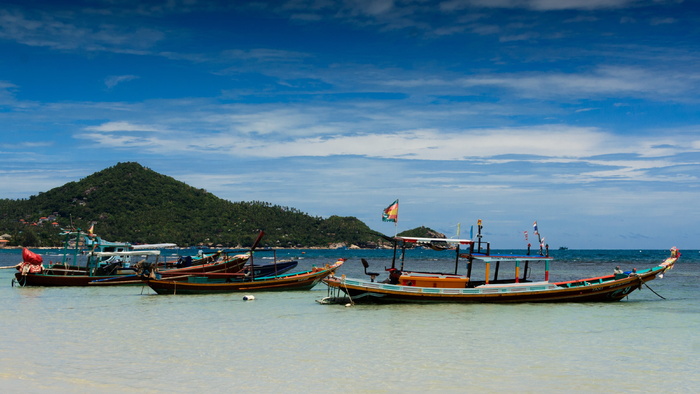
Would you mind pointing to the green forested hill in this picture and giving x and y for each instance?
(128, 202)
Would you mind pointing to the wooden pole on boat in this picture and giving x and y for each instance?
(75, 253)
(403, 254)
(517, 271)
(478, 234)
(540, 240)
(527, 265)
(487, 267)
(274, 259)
(393, 259)
(546, 271)
(252, 248)
(459, 228)
(470, 260)
(457, 260)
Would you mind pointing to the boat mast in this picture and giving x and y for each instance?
(478, 234)
(403, 254)
(459, 227)
(252, 248)
(470, 259)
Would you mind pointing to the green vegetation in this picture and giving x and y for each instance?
(422, 231)
(131, 203)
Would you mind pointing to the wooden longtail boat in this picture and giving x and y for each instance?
(227, 283)
(404, 286)
(88, 259)
(274, 268)
(229, 265)
(83, 277)
(85, 257)
(232, 266)
(234, 271)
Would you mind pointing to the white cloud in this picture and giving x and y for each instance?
(595, 153)
(115, 80)
(7, 93)
(436, 145)
(264, 54)
(112, 127)
(606, 80)
(284, 122)
(61, 31)
(538, 5)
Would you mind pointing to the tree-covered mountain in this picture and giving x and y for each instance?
(131, 203)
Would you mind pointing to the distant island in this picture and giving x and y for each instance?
(129, 202)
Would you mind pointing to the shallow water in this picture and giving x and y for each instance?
(124, 339)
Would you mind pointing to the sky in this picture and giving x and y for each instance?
(582, 115)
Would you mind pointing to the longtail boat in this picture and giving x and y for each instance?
(227, 283)
(87, 259)
(231, 264)
(225, 263)
(231, 268)
(228, 265)
(82, 277)
(410, 286)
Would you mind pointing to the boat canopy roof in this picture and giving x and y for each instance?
(128, 253)
(92, 240)
(154, 246)
(515, 258)
(453, 241)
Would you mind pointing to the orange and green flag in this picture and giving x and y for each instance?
(391, 213)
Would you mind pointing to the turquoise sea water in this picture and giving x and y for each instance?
(127, 339)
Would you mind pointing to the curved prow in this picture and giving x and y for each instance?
(671, 261)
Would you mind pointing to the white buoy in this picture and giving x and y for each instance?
(248, 298)
(348, 305)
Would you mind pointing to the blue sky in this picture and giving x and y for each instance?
(580, 114)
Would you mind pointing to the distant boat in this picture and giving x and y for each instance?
(563, 248)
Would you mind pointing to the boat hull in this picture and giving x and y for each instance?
(273, 269)
(203, 285)
(47, 278)
(601, 289)
(233, 264)
(58, 280)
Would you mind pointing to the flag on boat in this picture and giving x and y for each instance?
(534, 226)
(391, 213)
(91, 230)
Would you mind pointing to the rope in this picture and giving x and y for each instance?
(347, 292)
(19, 282)
(652, 290)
